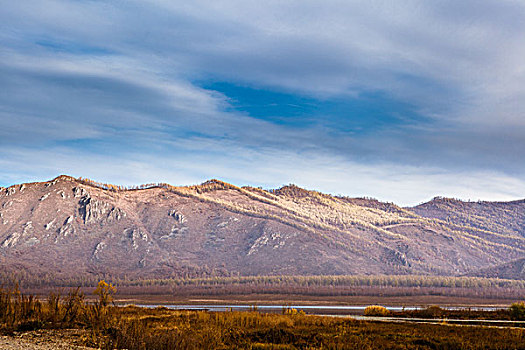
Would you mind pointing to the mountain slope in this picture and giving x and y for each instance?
(73, 227)
(514, 270)
(503, 217)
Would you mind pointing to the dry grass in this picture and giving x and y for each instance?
(19, 312)
(517, 311)
(376, 310)
(167, 329)
(131, 327)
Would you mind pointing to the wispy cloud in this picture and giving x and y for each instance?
(401, 184)
(404, 101)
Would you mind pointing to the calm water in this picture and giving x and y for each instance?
(355, 312)
(309, 309)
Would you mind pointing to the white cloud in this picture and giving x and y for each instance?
(122, 76)
(403, 185)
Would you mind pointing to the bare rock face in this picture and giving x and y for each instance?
(136, 237)
(11, 240)
(79, 192)
(96, 211)
(66, 228)
(177, 216)
(76, 227)
(98, 250)
(10, 191)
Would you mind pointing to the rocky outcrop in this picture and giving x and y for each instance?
(393, 256)
(50, 224)
(11, 240)
(96, 211)
(66, 229)
(136, 236)
(177, 216)
(23, 237)
(269, 239)
(98, 250)
(10, 191)
(80, 192)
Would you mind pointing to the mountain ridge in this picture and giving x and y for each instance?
(223, 184)
(83, 227)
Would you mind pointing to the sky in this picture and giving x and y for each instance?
(399, 101)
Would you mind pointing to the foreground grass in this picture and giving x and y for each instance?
(167, 329)
(110, 327)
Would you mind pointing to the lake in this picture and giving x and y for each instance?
(308, 309)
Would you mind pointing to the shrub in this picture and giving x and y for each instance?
(376, 310)
(105, 293)
(432, 312)
(517, 311)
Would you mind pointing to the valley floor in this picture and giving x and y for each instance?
(299, 299)
(165, 329)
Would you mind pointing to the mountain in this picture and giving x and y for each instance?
(76, 227)
(506, 218)
(511, 270)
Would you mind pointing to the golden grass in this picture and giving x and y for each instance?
(376, 310)
(160, 328)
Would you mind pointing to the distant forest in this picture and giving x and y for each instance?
(303, 285)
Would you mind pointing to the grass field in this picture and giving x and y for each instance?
(108, 327)
(164, 329)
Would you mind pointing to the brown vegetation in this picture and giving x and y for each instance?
(19, 312)
(111, 327)
(376, 310)
(380, 285)
(517, 311)
(331, 286)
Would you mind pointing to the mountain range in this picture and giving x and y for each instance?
(77, 227)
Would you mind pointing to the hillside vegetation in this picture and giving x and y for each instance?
(79, 228)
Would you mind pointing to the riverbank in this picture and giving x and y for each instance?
(301, 299)
(161, 328)
(100, 324)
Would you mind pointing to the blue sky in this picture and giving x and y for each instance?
(398, 101)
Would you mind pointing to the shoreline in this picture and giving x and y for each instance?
(307, 300)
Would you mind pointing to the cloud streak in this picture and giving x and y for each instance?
(407, 97)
